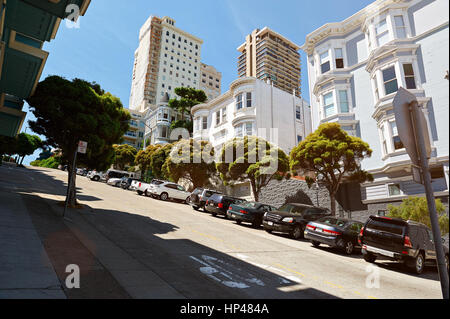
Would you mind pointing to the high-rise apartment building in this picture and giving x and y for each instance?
(167, 58)
(268, 55)
(210, 82)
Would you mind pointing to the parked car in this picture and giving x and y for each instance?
(408, 242)
(292, 219)
(218, 204)
(126, 183)
(113, 173)
(96, 176)
(114, 182)
(335, 232)
(168, 190)
(249, 212)
(143, 188)
(199, 197)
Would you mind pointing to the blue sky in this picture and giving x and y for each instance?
(102, 48)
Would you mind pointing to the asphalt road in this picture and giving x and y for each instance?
(201, 256)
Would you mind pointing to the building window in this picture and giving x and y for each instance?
(382, 33)
(397, 143)
(394, 190)
(400, 27)
(298, 113)
(299, 139)
(409, 76)
(390, 80)
(239, 131)
(239, 102)
(339, 56)
(343, 101)
(248, 129)
(381, 213)
(164, 132)
(328, 105)
(324, 62)
(224, 114)
(383, 141)
(218, 117)
(377, 91)
(205, 123)
(249, 99)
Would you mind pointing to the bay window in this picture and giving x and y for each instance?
(298, 113)
(325, 62)
(339, 58)
(249, 99)
(382, 33)
(328, 105)
(343, 101)
(396, 141)
(390, 80)
(409, 76)
(204, 123)
(400, 27)
(239, 102)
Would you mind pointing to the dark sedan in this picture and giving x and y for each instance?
(335, 232)
(249, 212)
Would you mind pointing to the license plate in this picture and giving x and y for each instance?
(270, 223)
(319, 230)
(380, 251)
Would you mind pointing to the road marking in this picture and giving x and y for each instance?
(290, 270)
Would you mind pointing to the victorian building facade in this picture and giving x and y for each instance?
(355, 68)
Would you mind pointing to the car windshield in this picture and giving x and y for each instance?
(250, 204)
(333, 221)
(286, 208)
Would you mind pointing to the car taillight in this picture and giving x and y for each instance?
(229, 208)
(407, 242)
(361, 234)
(140, 184)
(220, 205)
(311, 227)
(332, 232)
(207, 202)
(243, 211)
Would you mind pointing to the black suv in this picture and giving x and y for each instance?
(218, 204)
(395, 239)
(293, 218)
(199, 197)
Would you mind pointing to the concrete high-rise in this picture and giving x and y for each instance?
(268, 55)
(167, 58)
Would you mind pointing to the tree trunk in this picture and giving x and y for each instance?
(333, 203)
(255, 190)
(72, 195)
(23, 157)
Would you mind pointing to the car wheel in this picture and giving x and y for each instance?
(96, 178)
(188, 200)
(369, 258)
(297, 232)
(315, 243)
(348, 248)
(146, 193)
(195, 208)
(269, 231)
(164, 196)
(419, 264)
(140, 193)
(214, 214)
(239, 222)
(256, 223)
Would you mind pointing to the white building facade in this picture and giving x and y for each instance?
(355, 68)
(253, 108)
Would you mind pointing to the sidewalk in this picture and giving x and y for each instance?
(38, 244)
(25, 269)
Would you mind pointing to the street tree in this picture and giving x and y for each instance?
(27, 144)
(188, 98)
(157, 160)
(144, 158)
(124, 155)
(252, 159)
(333, 156)
(191, 160)
(8, 146)
(416, 208)
(71, 111)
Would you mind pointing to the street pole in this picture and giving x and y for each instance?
(423, 161)
(70, 181)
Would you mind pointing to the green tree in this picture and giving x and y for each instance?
(71, 111)
(8, 146)
(157, 160)
(27, 144)
(191, 160)
(416, 208)
(189, 97)
(333, 156)
(144, 159)
(253, 159)
(124, 155)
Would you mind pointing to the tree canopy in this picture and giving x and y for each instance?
(416, 208)
(189, 97)
(333, 156)
(124, 155)
(27, 144)
(158, 158)
(71, 111)
(192, 160)
(252, 159)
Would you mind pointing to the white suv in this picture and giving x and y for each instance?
(169, 190)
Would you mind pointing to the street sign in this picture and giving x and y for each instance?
(406, 108)
(82, 147)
